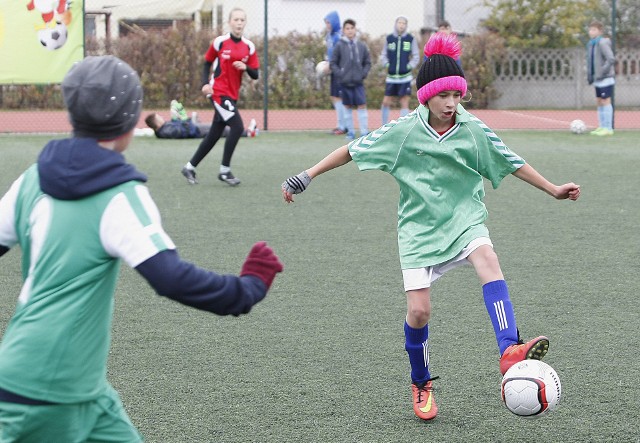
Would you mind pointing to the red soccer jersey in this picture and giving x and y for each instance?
(226, 79)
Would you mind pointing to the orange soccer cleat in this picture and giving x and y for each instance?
(534, 349)
(424, 404)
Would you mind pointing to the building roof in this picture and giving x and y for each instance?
(150, 9)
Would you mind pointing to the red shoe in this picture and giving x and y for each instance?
(424, 404)
(532, 350)
(339, 131)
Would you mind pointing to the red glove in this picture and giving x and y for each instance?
(262, 263)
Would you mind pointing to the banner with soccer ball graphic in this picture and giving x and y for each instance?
(40, 39)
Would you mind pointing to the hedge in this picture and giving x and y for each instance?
(170, 66)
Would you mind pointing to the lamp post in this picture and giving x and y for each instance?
(265, 68)
(440, 11)
(613, 47)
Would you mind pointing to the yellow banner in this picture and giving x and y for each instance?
(39, 39)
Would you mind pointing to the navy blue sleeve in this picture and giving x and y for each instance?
(366, 61)
(188, 284)
(3, 250)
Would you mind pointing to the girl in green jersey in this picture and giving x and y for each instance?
(439, 154)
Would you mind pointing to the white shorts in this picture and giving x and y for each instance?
(420, 278)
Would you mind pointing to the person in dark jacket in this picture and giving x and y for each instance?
(400, 56)
(176, 129)
(76, 214)
(351, 64)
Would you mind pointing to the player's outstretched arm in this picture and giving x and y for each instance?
(190, 285)
(568, 190)
(298, 183)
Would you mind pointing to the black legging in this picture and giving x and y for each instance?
(236, 127)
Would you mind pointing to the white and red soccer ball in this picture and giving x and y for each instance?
(531, 388)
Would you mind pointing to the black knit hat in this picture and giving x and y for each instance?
(440, 71)
(103, 96)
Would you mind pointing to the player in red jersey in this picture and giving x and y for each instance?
(226, 60)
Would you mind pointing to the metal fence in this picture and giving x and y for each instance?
(556, 79)
(525, 80)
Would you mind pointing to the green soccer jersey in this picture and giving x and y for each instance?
(440, 209)
(55, 347)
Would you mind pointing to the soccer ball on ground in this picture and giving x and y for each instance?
(322, 68)
(531, 388)
(53, 38)
(578, 127)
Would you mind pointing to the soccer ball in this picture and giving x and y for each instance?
(578, 127)
(53, 38)
(531, 388)
(321, 68)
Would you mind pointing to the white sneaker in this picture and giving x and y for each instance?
(253, 128)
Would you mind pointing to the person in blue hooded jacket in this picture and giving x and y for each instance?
(333, 34)
(76, 214)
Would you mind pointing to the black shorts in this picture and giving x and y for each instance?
(397, 89)
(604, 92)
(353, 96)
(224, 110)
(334, 89)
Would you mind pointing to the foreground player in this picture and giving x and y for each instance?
(230, 56)
(75, 213)
(438, 155)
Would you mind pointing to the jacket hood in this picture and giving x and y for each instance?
(395, 28)
(74, 168)
(334, 19)
(347, 39)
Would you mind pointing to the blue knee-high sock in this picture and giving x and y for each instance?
(417, 346)
(404, 111)
(363, 121)
(339, 107)
(607, 116)
(385, 114)
(600, 116)
(348, 121)
(500, 309)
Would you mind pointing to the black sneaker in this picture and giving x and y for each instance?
(229, 179)
(190, 174)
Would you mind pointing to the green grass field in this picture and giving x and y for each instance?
(322, 358)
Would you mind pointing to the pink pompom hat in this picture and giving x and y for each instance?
(441, 70)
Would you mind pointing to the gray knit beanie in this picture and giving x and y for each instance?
(103, 96)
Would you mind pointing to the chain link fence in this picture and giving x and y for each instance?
(166, 47)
